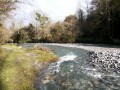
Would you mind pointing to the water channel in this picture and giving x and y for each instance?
(74, 70)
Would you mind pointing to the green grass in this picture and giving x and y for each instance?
(18, 70)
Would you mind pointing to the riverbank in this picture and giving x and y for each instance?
(104, 58)
(82, 67)
(19, 67)
(89, 47)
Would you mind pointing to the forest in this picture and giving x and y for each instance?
(99, 23)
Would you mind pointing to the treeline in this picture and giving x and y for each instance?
(100, 24)
(60, 32)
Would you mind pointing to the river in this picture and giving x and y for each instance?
(81, 67)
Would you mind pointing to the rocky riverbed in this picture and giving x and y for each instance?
(103, 58)
(107, 61)
(82, 67)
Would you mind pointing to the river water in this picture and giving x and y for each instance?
(77, 69)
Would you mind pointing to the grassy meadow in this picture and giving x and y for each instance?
(19, 67)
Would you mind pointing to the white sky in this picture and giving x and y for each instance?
(57, 10)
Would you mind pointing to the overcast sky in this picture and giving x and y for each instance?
(57, 10)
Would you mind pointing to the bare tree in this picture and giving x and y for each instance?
(5, 7)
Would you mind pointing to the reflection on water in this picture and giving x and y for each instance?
(74, 71)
